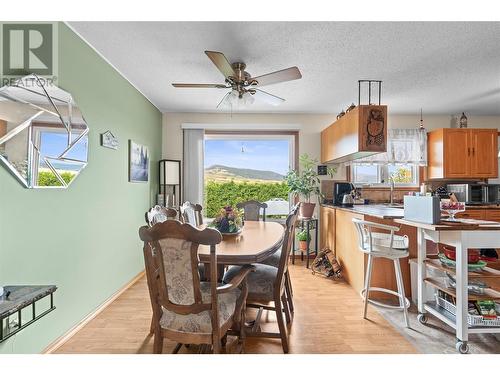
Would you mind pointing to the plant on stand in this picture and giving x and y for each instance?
(303, 237)
(305, 183)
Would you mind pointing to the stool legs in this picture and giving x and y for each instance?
(368, 277)
(401, 290)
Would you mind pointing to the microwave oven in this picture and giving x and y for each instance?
(470, 193)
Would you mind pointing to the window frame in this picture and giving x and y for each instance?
(291, 136)
(383, 174)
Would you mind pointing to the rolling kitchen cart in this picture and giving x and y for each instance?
(463, 235)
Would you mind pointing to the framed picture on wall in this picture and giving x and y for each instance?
(138, 162)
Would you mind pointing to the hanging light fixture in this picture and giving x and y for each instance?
(422, 140)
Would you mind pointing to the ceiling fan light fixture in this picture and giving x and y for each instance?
(248, 99)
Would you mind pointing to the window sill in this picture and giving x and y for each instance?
(384, 187)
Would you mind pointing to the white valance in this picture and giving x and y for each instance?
(406, 146)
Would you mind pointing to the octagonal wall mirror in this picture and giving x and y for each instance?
(43, 136)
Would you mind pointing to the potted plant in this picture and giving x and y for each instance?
(303, 238)
(305, 183)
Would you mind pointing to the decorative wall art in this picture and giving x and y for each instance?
(138, 162)
(375, 128)
(43, 135)
(108, 140)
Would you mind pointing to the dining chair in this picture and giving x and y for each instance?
(266, 286)
(191, 214)
(274, 260)
(185, 309)
(252, 210)
(159, 214)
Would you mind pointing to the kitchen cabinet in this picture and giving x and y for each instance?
(327, 227)
(484, 158)
(359, 133)
(473, 214)
(462, 153)
(492, 215)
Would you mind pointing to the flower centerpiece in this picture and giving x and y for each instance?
(229, 221)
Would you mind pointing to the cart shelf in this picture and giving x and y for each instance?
(487, 272)
(450, 319)
(472, 297)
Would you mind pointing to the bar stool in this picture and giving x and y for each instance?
(388, 246)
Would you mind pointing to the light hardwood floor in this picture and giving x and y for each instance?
(328, 319)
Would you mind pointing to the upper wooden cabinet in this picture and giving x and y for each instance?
(463, 153)
(359, 133)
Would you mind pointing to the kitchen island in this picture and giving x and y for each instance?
(339, 234)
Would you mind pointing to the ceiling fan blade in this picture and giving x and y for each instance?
(221, 63)
(268, 98)
(200, 85)
(284, 75)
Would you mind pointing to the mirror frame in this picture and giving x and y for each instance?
(28, 124)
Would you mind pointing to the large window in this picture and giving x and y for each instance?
(240, 167)
(379, 175)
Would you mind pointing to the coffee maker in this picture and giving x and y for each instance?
(341, 189)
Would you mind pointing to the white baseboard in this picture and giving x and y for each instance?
(72, 331)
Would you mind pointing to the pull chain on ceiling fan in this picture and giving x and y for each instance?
(243, 86)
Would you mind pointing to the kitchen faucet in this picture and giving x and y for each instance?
(391, 185)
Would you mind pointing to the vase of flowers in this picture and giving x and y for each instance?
(305, 183)
(228, 221)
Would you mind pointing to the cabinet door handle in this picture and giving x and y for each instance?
(468, 151)
(473, 151)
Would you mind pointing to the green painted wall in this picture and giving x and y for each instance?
(83, 239)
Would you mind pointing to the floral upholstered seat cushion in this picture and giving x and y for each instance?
(202, 322)
(273, 259)
(260, 283)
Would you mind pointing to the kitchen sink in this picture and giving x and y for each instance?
(393, 205)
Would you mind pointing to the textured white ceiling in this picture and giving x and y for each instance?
(443, 67)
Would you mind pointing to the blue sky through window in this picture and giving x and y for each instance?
(266, 155)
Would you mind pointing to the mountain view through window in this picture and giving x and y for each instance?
(238, 170)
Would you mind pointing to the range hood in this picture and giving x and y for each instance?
(361, 132)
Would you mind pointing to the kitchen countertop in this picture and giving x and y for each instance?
(376, 210)
(488, 206)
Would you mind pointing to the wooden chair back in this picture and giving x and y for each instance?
(159, 214)
(171, 259)
(286, 248)
(191, 214)
(252, 210)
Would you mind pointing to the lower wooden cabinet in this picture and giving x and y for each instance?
(472, 214)
(327, 227)
(493, 215)
(481, 214)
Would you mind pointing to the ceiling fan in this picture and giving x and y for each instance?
(243, 86)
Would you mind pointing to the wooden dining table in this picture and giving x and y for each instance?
(256, 242)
